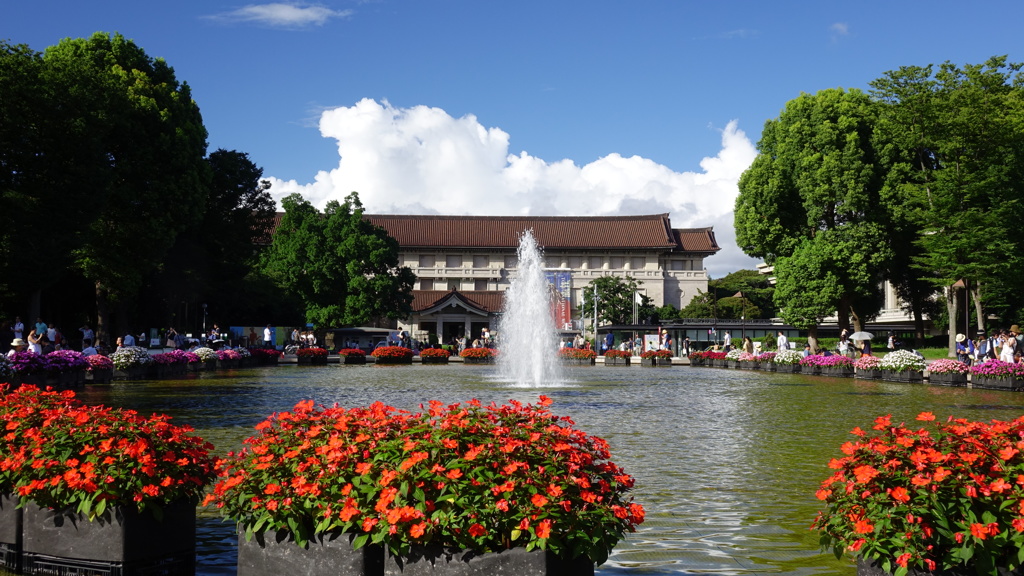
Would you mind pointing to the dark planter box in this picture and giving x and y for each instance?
(656, 362)
(867, 374)
(352, 359)
(579, 361)
(621, 361)
(312, 360)
(434, 360)
(276, 554)
(994, 383)
(837, 371)
(133, 373)
(10, 534)
(394, 361)
(812, 370)
(441, 562)
(952, 379)
(903, 376)
(749, 365)
(735, 364)
(489, 360)
(870, 568)
(122, 541)
(210, 364)
(788, 368)
(228, 364)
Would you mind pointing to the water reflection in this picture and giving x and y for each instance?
(726, 461)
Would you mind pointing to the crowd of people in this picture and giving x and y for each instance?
(1004, 345)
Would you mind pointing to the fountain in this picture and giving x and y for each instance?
(526, 331)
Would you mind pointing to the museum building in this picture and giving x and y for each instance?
(464, 264)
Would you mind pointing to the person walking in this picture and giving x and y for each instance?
(781, 342)
(35, 342)
(18, 328)
(268, 336)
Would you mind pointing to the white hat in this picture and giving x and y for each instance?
(17, 342)
(960, 337)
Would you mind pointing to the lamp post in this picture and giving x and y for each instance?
(204, 320)
(595, 312)
(743, 313)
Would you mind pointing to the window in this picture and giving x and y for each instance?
(453, 261)
(676, 264)
(426, 260)
(511, 261)
(553, 262)
(575, 262)
(453, 284)
(638, 263)
(479, 261)
(617, 262)
(595, 262)
(480, 284)
(426, 284)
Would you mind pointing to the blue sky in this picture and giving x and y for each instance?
(579, 108)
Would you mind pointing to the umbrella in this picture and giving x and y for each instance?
(861, 336)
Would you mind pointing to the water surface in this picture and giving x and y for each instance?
(726, 461)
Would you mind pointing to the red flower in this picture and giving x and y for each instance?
(543, 529)
(476, 531)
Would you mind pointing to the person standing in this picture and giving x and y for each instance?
(748, 345)
(18, 328)
(17, 345)
(87, 334)
(40, 327)
(686, 346)
(88, 349)
(35, 342)
(727, 341)
(781, 342)
(128, 340)
(268, 336)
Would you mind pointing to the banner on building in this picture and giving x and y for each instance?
(561, 297)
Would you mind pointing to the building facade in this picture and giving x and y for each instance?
(464, 264)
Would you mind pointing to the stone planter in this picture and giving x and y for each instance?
(434, 360)
(914, 376)
(312, 360)
(873, 374)
(749, 365)
(788, 368)
(620, 361)
(352, 359)
(169, 370)
(435, 561)
(122, 541)
(656, 362)
(488, 360)
(231, 364)
(732, 364)
(99, 375)
(812, 370)
(994, 383)
(579, 361)
(210, 364)
(275, 553)
(950, 379)
(10, 534)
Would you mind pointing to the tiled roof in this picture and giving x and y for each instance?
(551, 232)
(486, 300)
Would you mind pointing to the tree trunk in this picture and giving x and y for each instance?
(951, 311)
(858, 325)
(102, 314)
(842, 313)
(978, 308)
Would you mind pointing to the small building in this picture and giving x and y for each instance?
(464, 264)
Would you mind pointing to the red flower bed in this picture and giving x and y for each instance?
(577, 353)
(482, 478)
(478, 353)
(434, 353)
(311, 353)
(945, 496)
(61, 453)
(618, 354)
(392, 352)
(351, 352)
(658, 354)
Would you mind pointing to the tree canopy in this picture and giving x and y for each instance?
(615, 299)
(344, 269)
(810, 205)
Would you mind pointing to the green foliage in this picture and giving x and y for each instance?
(756, 293)
(615, 301)
(343, 268)
(810, 205)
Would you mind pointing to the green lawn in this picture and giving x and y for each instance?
(934, 353)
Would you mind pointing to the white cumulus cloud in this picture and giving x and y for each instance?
(282, 15)
(421, 160)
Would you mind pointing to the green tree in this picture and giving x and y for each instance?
(959, 144)
(703, 305)
(616, 297)
(343, 268)
(811, 198)
(756, 289)
(142, 155)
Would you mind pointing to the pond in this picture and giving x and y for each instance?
(726, 461)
